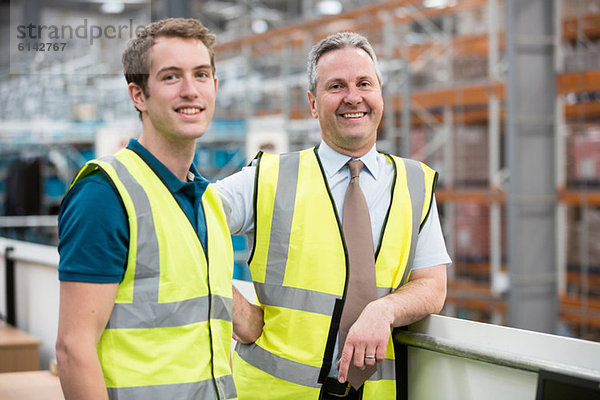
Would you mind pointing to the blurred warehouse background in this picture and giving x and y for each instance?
(459, 79)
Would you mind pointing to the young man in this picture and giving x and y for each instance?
(145, 254)
(292, 205)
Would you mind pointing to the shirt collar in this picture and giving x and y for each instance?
(161, 170)
(333, 161)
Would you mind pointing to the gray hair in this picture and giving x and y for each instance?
(335, 42)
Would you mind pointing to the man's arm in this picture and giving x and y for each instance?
(422, 295)
(83, 313)
(248, 319)
(237, 192)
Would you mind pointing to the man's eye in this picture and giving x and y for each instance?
(202, 75)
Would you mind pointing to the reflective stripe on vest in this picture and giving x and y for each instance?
(413, 185)
(139, 312)
(296, 372)
(194, 390)
(416, 182)
(186, 312)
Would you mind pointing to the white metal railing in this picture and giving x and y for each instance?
(493, 356)
(28, 221)
(454, 359)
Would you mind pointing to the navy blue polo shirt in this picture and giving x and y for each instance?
(93, 231)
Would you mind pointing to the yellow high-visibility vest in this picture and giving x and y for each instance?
(169, 334)
(299, 271)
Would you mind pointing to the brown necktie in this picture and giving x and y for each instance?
(356, 225)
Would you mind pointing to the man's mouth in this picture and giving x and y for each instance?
(188, 110)
(354, 115)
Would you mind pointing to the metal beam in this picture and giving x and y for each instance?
(532, 194)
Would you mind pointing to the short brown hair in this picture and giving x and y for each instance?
(136, 56)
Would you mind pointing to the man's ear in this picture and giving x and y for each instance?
(137, 96)
(313, 106)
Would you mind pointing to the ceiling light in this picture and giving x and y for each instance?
(112, 7)
(259, 26)
(439, 3)
(329, 7)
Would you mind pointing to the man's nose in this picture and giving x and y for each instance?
(188, 88)
(353, 96)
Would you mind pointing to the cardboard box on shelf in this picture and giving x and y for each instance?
(471, 156)
(583, 158)
(583, 239)
(472, 232)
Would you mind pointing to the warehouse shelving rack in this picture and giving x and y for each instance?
(444, 72)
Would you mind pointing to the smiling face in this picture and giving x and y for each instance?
(348, 101)
(181, 91)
